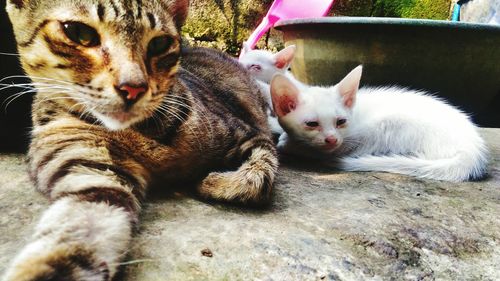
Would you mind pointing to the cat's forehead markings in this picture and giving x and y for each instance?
(115, 8)
(152, 20)
(101, 11)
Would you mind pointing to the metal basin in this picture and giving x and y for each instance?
(456, 60)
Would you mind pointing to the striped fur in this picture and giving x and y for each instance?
(94, 153)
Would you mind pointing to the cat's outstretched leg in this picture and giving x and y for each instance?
(85, 233)
(252, 182)
(75, 240)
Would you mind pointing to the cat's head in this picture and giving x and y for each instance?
(112, 59)
(316, 116)
(264, 64)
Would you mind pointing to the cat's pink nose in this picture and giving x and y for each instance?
(331, 141)
(131, 93)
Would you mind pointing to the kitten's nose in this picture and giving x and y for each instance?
(331, 140)
(131, 93)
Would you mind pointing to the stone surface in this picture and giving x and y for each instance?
(321, 225)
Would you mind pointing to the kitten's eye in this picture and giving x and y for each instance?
(312, 124)
(341, 121)
(255, 67)
(159, 45)
(81, 34)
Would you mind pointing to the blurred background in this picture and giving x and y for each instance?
(225, 24)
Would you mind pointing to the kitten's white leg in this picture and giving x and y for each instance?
(275, 125)
(283, 143)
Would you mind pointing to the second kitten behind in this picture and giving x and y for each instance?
(263, 65)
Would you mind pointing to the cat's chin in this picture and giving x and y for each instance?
(117, 121)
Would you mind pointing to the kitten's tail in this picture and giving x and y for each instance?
(462, 167)
(251, 182)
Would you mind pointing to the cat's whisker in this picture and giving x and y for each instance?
(10, 54)
(78, 101)
(200, 112)
(168, 110)
(186, 115)
(37, 78)
(87, 111)
(10, 99)
(136, 262)
(156, 119)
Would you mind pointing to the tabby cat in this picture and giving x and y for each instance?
(120, 106)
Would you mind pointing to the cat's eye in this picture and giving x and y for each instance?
(341, 121)
(312, 124)
(159, 45)
(81, 34)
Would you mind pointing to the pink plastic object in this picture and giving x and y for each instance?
(287, 9)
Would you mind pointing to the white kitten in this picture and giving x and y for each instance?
(378, 129)
(263, 65)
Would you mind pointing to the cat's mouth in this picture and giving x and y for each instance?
(121, 116)
(118, 120)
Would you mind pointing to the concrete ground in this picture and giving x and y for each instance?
(322, 225)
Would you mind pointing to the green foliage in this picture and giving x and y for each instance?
(423, 9)
(352, 8)
(223, 24)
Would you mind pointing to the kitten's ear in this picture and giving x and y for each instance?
(284, 94)
(348, 87)
(179, 11)
(246, 47)
(284, 57)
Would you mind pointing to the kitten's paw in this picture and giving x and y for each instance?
(232, 187)
(282, 142)
(275, 126)
(61, 263)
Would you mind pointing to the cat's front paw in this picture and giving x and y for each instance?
(233, 187)
(61, 263)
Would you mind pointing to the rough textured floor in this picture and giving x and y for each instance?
(322, 225)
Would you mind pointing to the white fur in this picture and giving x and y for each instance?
(388, 129)
(263, 65)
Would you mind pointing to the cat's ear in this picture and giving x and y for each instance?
(19, 4)
(284, 94)
(179, 11)
(349, 86)
(283, 58)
